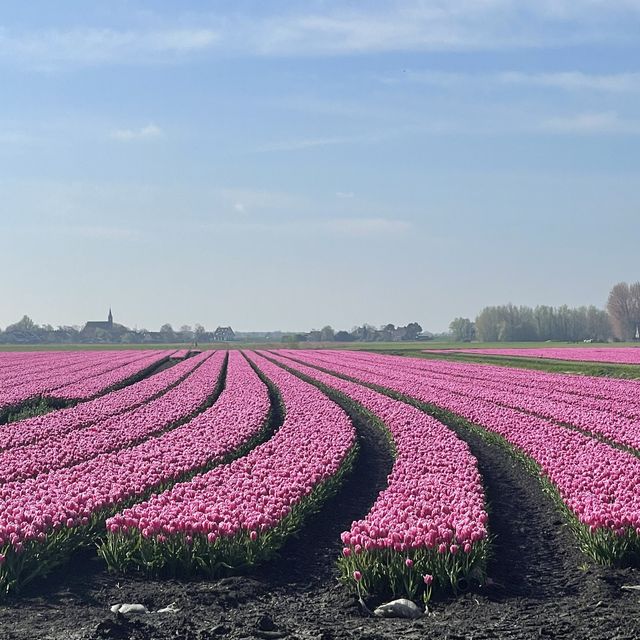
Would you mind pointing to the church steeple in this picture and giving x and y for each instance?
(110, 318)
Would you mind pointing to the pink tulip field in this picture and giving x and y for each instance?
(613, 355)
(431, 519)
(92, 411)
(67, 375)
(239, 513)
(170, 463)
(597, 483)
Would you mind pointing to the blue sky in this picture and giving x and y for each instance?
(286, 165)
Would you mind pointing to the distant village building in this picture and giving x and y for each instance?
(223, 334)
(94, 328)
(92, 325)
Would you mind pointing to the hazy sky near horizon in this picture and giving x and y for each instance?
(286, 165)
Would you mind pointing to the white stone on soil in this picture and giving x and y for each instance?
(129, 609)
(401, 608)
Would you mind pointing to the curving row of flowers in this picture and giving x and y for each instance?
(95, 384)
(431, 519)
(597, 484)
(608, 394)
(116, 432)
(44, 519)
(606, 418)
(12, 369)
(58, 423)
(68, 367)
(19, 367)
(85, 378)
(613, 355)
(238, 514)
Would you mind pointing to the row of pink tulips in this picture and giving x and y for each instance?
(598, 484)
(58, 423)
(83, 380)
(44, 519)
(609, 394)
(116, 432)
(92, 386)
(604, 418)
(36, 364)
(431, 519)
(72, 362)
(613, 355)
(18, 367)
(238, 514)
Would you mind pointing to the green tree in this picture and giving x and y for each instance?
(412, 331)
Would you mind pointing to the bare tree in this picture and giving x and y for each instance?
(198, 332)
(327, 334)
(462, 329)
(623, 306)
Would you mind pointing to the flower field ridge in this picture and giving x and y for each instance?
(87, 388)
(87, 377)
(116, 432)
(58, 423)
(612, 355)
(44, 519)
(238, 514)
(30, 368)
(614, 419)
(609, 394)
(18, 368)
(598, 485)
(431, 519)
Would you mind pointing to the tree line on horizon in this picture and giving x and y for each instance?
(26, 331)
(364, 333)
(620, 320)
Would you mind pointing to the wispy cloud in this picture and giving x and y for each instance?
(350, 227)
(100, 232)
(345, 194)
(575, 80)
(563, 80)
(591, 123)
(15, 137)
(455, 25)
(83, 231)
(333, 29)
(246, 200)
(307, 143)
(147, 132)
(54, 48)
(363, 227)
(370, 137)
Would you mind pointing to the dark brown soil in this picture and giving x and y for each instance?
(540, 586)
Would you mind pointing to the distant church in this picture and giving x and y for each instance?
(93, 326)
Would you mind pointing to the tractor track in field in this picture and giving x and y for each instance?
(540, 585)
